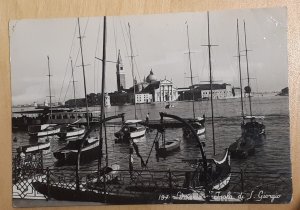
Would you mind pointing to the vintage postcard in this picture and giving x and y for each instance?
(166, 108)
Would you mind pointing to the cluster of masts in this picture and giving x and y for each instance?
(88, 144)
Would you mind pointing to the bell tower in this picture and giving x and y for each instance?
(120, 73)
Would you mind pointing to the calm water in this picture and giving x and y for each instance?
(273, 157)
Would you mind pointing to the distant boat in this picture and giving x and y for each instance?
(168, 106)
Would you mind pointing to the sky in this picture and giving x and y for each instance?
(159, 43)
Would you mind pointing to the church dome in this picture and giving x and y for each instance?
(151, 78)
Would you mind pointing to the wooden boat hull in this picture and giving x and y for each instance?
(241, 152)
(71, 134)
(35, 148)
(138, 134)
(87, 154)
(124, 135)
(40, 134)
(200, 132)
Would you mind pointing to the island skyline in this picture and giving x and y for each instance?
(160, 43)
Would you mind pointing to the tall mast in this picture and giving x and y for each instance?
(190, 62)
(73, 81)
(103, 92)
(50, 96)
(83, 71)
(132, 70)
(248, 77)
(239, 61)
(209, 45)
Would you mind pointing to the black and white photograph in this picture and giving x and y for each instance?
(177, 108)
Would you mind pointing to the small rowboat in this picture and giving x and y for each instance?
(169, 146)
(131, 130)
(90, 151)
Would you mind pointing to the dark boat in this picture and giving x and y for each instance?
(253, 127)
(168, 106)
(251, 130)
(69, 153)
(242, 147)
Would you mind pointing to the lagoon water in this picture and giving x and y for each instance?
(271, 159)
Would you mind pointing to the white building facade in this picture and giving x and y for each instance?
(166, 91)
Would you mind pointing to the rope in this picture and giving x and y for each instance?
(96, 51)
(136, 148)
(76, 60)
(72, 45)
(155, 139)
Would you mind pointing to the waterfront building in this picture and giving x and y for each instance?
(202, 91)
(155, 90)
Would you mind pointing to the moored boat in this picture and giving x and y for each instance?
(69, 153)
(242, 147)
(131, 130)
(168, 146)
(253, 127)
(37, 131)
(198, 125)
(70, 132)
(35, 147)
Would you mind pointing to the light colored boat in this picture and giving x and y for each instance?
(34, 148)
(43, 130)
(169, 146)
(131, 130)
(71, 131)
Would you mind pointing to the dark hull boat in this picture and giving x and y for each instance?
(254, 129)
(69, 153)
(242, 147)
(138, 192)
